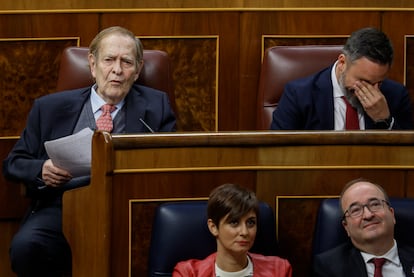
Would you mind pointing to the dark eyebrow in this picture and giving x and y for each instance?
(358, 203)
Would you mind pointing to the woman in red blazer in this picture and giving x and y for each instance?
(232, 219)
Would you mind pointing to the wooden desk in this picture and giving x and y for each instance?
(108, 223)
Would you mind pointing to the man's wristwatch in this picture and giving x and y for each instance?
(384, 123)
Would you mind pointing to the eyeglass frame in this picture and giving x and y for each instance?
(382, 201)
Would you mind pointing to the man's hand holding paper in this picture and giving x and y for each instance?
(71, 153)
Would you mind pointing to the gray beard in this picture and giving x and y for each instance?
(349, 94)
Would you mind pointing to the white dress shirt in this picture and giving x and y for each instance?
(392, 266)
(340, 106)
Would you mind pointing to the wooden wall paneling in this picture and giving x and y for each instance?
(54, 24)
(30, 69)
(255, 25)
(187, 165)
(409, 62)
(13, 206)
(194, 61)
(403, 42)
(8, 229)
(405, 23)
(295, 218)
(31, 45)
(197, 4)
(224, 26)
(410, 182)
(409, 66)
(130, 250)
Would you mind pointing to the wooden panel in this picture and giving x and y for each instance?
(228, 72)
(194, 61)
(410, 180)
(255, 25)
(31, 46)
(32, 25)
(403, 43)
(240, 35)
(30, 69)
(398, 36)
(13, 206)
(8, 229)
(275, 164)
(194, 4)
(223, 25)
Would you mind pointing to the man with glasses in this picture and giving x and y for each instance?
(369, 222)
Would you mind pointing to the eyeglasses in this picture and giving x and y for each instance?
(373, 205)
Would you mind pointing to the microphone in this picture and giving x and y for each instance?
(146, 125)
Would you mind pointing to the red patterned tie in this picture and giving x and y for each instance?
(104, 122)
(378, 262)
(351, 119)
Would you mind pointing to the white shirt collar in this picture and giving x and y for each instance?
(97, 101)
(337, 90)
(391, 255)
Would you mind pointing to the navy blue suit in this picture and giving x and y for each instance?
(39, 248)
(346, 261)
(308, 104)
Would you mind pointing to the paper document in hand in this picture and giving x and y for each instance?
(72, 153)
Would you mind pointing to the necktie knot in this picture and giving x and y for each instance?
(378, 262)
(104, 122)
(107, 108)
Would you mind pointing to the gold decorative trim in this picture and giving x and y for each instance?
(406, 37)
(185, 36)
(295, 197)
(131, 201)
(235, 9)
(9, 137)
(217, 83)
(40, 39)
(289, 167)
(166, 200)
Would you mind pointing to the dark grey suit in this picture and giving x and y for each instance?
(346, 261)
(39, 248)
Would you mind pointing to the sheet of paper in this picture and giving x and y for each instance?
(72, 153)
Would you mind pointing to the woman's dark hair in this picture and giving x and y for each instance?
(233, 200)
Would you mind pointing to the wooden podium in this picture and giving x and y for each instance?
(108, 223)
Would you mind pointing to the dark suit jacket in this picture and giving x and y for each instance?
(346, 261)
(308, 104)
(54, 116)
